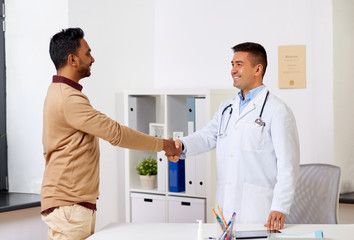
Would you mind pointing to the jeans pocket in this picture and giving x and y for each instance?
(67, 212)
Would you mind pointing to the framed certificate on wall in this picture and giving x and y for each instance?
(292, 66)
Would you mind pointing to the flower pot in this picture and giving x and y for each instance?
(148, 182)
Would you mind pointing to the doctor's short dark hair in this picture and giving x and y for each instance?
(256, 50)
(63, 44)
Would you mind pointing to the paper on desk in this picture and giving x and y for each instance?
(315, 234)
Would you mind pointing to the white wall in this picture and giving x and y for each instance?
(193, 49)
(29, 70)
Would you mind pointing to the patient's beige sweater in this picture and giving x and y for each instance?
(71, 128)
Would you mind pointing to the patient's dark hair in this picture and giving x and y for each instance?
(64, 43)
(256, 51)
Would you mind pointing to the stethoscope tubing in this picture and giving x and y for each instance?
(264, 102)
(259, 122)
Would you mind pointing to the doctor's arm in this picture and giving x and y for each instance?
(287, 151)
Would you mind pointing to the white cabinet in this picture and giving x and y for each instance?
(148, 208)
(185, 209)
(167, 112)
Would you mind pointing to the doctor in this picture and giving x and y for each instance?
(256, 143)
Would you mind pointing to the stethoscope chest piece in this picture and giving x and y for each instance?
(259, 122)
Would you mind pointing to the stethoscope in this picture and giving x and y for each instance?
(258, 122)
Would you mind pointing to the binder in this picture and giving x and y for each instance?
(190, 161)
(196, 166)
(141, 112)
(190, 175)
(132, 113)
(201, 160)
(190, 115)
(177, 176)
(161, 171)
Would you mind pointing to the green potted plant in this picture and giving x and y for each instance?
(147, 170)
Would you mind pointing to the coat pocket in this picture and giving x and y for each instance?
(255, 204)
(253, 138)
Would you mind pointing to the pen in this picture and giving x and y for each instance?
(222, 225)
(222, 215)
(229, 230)
(227, 233)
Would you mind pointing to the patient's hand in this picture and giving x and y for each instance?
(172, 150)
(175, 158)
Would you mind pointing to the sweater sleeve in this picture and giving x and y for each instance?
(81, 115)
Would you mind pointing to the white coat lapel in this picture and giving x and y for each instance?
(257, 101)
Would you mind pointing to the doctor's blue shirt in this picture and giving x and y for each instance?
(249, 96)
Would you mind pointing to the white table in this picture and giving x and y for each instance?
(188, 231)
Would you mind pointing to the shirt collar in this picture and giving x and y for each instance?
(71, 83)
(251, 94)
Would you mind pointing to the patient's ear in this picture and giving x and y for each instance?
(72, 60)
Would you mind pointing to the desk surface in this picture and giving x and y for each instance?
(16, 201)
(346, 198)
(188, 231)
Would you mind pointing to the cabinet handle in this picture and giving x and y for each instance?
(185, 203)
(131, 109)
(201, 183)
(190, 182)
(147, 200)
(160, 159)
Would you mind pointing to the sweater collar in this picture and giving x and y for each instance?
(71, 83)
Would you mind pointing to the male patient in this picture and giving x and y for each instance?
(71, 128)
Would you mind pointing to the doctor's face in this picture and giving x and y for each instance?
(244, 73)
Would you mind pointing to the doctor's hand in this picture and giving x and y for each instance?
(275, 221)
(172, 152)
(175, 158)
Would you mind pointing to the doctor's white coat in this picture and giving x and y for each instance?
(257, 167)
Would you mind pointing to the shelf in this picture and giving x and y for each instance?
(155, 191)
(169, 109)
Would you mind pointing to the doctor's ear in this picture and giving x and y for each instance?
(259, 70)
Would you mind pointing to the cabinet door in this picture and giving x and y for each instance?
(148, 208)
(184, 209)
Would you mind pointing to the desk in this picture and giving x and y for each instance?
(16, 201)
(346, 198)
(188, 231)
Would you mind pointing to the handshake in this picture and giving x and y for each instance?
(173, 149)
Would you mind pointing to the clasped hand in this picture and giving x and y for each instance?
(173, 149)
